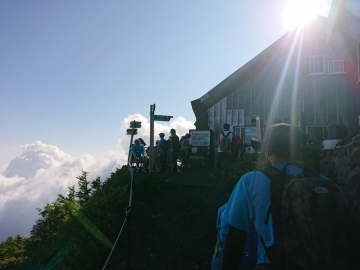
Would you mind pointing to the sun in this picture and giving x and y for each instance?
(300, 12)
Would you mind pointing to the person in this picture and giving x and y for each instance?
(175, 145)
(237, 145)
(249, 253)
(142, 141)
(138, 154)
(185, 149)
(157, 157)
(250, 201)
(169, 152)
(223, 156)
(162, 152)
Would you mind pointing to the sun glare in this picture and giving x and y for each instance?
(300, 12)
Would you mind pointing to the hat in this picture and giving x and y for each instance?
(281, 139)
(137, 141)
(161, 134)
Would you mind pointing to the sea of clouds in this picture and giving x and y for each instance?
(42, 171)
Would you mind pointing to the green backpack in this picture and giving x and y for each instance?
(225, 144)
(310, 221)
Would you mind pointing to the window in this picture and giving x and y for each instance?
(239, 131)
(315, 65)
(336, 66)
(315, 134)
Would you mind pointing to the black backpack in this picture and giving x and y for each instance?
(311, 222)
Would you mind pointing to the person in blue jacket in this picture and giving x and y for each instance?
(250, 200)
(138, 154)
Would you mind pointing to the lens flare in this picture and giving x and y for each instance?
(297, 13)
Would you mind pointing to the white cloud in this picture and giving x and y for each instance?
(181, 126)
(42, 171)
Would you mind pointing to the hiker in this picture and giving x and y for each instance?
(175, 145)
(138, 154)
(236, 147)
(250, 249)
(169, 152)
(223, 155)
(142, 141)
(314, 230)
(185, 149)
(162, 152)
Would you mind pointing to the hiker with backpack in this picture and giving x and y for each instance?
(300, 216)
(175, 146)
(185, 149)
(223, 155)
(161, 152)
(250, 248)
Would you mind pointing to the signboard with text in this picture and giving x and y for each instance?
(250, 132)
(200, 138)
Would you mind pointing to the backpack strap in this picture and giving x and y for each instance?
(278, 179)
(222, 132)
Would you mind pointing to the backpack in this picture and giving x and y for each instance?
(225, 144)
(310, 222)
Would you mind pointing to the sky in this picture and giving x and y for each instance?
(73, 74)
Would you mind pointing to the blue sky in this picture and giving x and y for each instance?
(71, 71)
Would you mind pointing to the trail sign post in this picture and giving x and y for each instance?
(153, 118)
(132, 131)
(134, 125)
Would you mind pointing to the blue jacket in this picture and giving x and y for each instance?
(138, 150)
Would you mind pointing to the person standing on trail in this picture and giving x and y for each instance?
(161, 151)
(138, 154)
(223, 155)
(185, 149)
(286, 203)
(175, 145)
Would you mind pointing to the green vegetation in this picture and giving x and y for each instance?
(250, 162)
(247, 163)
(12, 252)
(78, 230)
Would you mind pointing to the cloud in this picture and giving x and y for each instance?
(42, 171)
(37, 176)
(180, 124)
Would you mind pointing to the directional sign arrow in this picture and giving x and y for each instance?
(162, 117)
